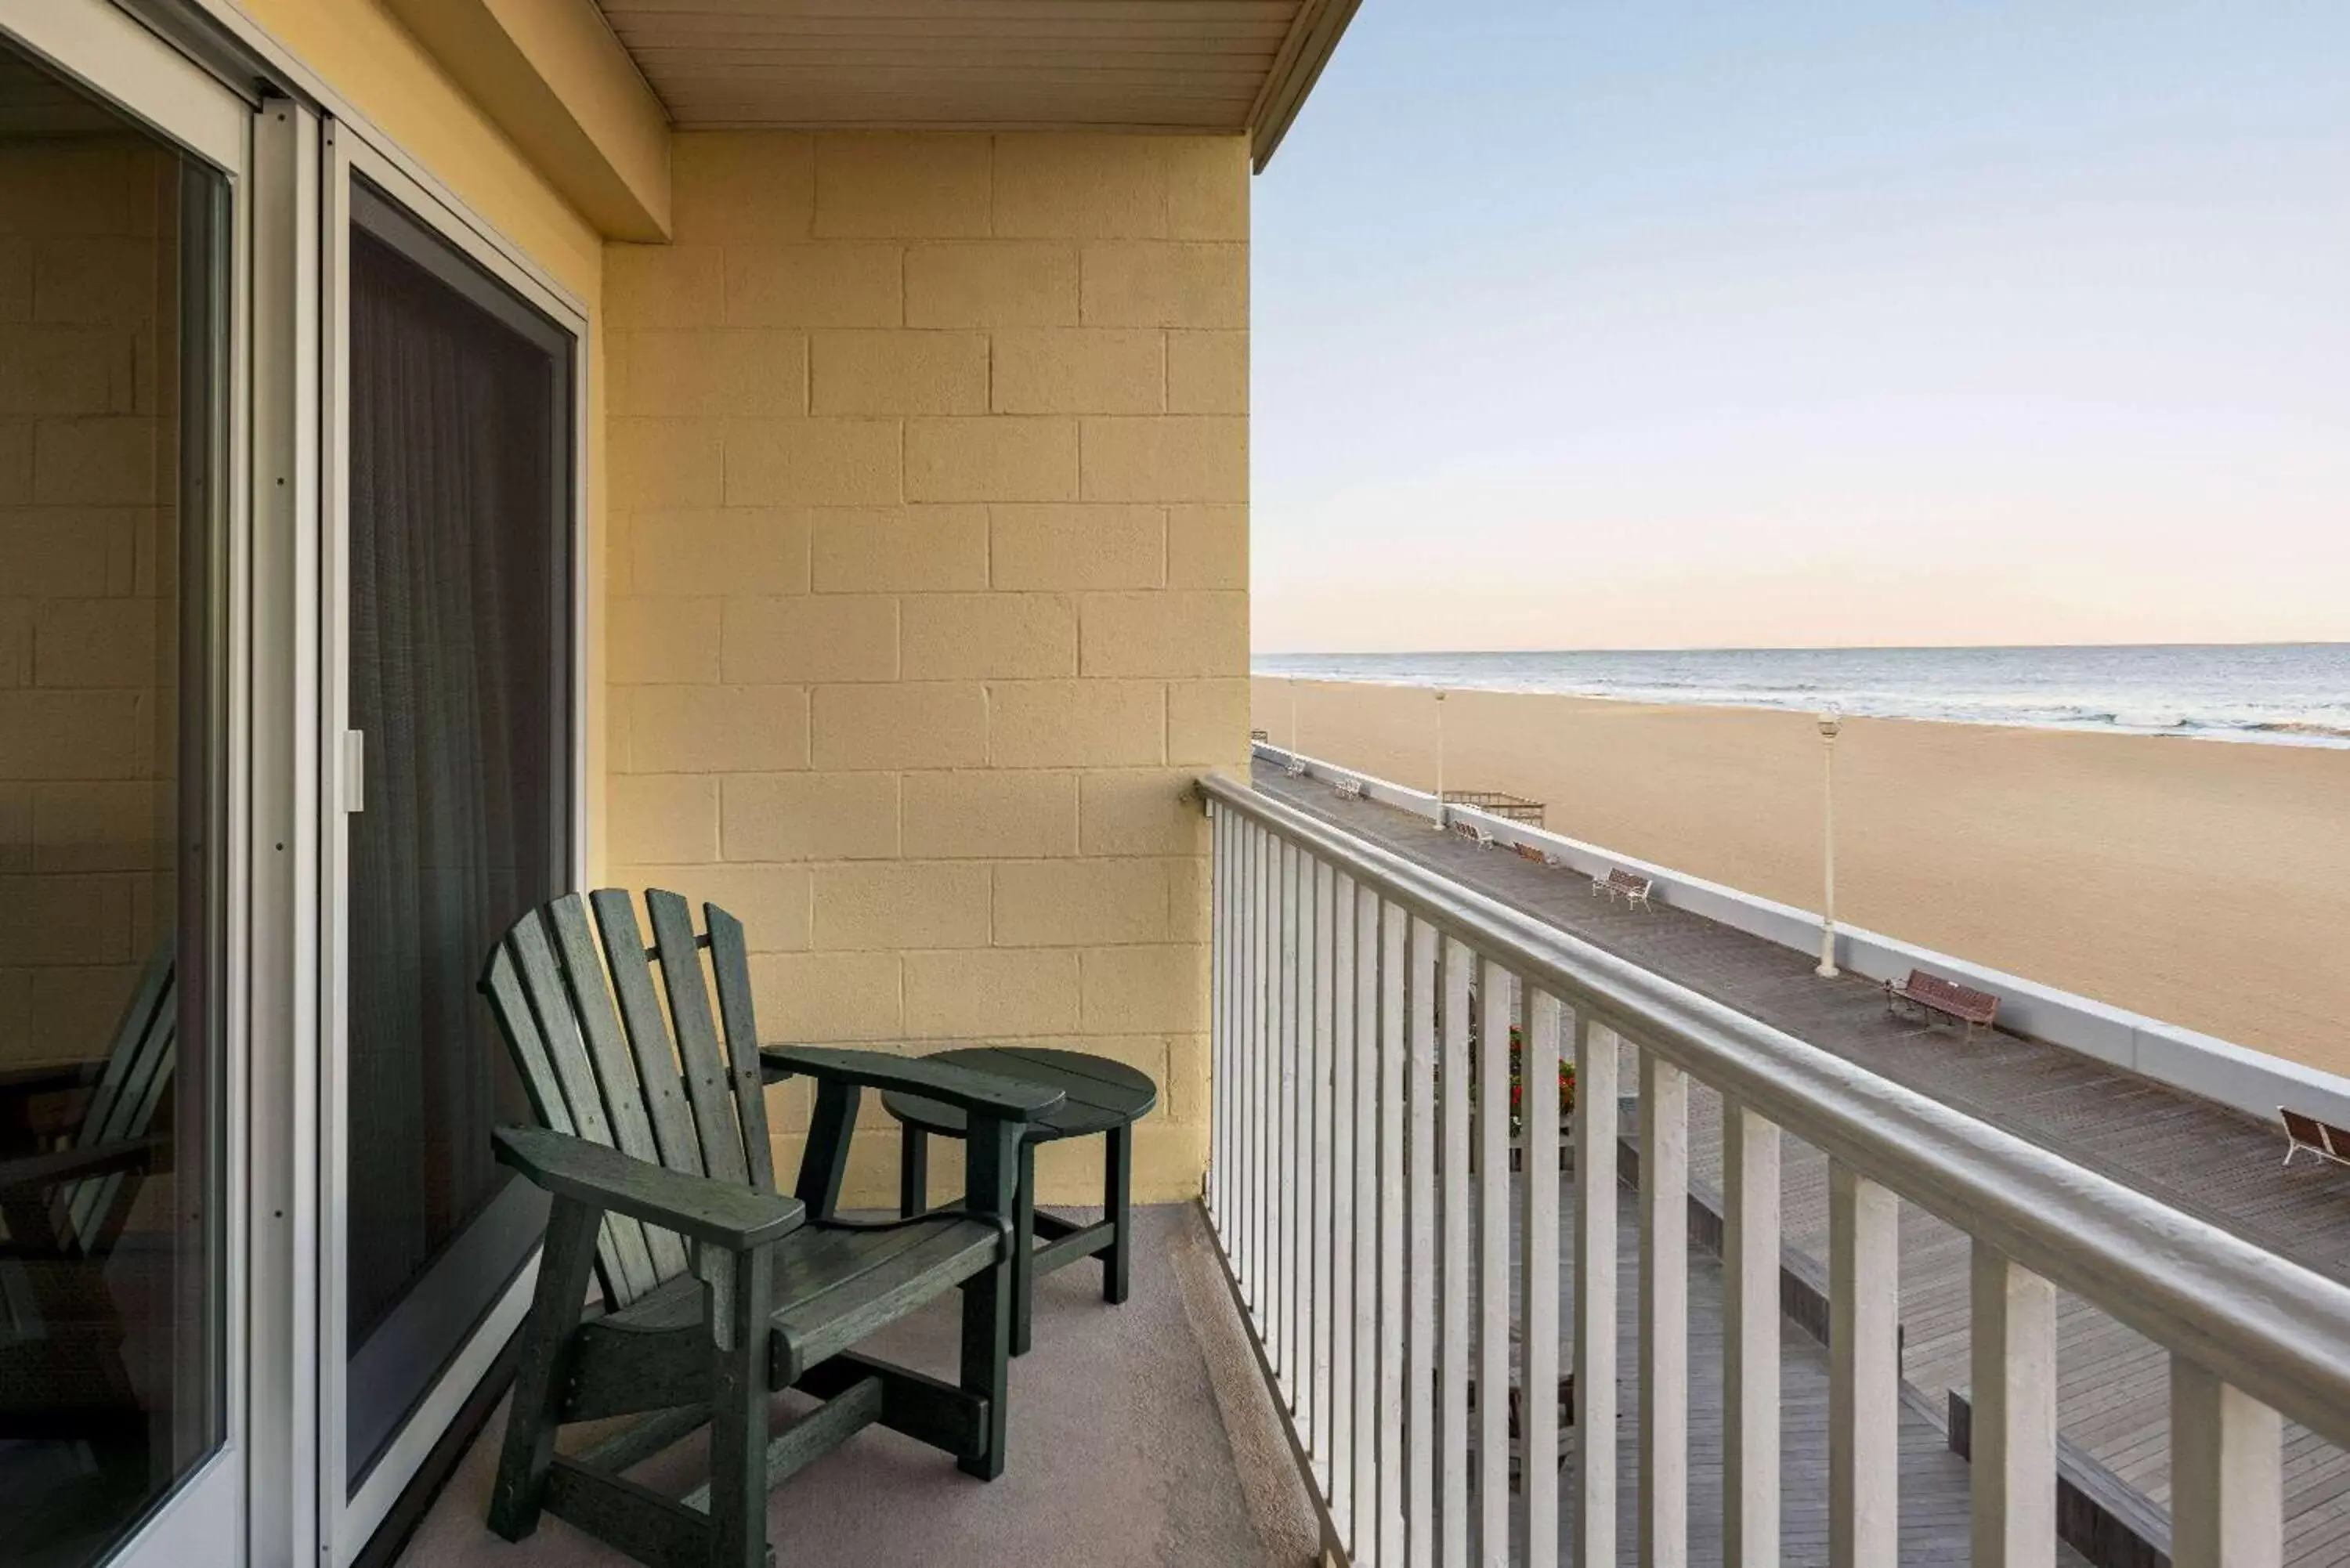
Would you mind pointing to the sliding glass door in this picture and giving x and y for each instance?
(454, 543)
(122, 170)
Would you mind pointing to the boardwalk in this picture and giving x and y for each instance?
(2113, 1390)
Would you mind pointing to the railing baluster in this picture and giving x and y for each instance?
(2227, 1493)
(1594, 1294)
(1452, 1301)
(1281, 1283)
(1394, 940)
(1664, 1312)
(1265, 860)
(1864, 1371)
(1538, 1279)
(1338, 1142)
(1495, 1009)
(1221, 992)
(1364, 1408)
(1313, 1326)
(1256, 988)
(2013, 1449)
(1750, 1338)
(1420, 1162)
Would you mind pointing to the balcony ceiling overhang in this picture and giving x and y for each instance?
(1231, 66)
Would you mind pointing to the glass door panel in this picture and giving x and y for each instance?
(459, 680)
(114, 1181)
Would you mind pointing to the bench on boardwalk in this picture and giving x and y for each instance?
(1933, 996)
(1295, 767)
(1621, 884)
(1472, 833)
(2323, 1139)
(1528, 852)
(1349, 789)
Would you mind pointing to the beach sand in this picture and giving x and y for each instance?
(2203, 883)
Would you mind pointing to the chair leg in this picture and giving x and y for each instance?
(913, 1171)
(1117, 1171)
(742, 1293)
(536, 1411)
(1023, 1251)
(992, 1161)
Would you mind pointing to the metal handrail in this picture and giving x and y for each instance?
(2259, 1321)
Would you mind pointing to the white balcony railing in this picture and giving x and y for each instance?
(1376, 1267)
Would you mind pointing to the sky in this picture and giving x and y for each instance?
(1678, 323)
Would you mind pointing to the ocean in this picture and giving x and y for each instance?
(2279, 693)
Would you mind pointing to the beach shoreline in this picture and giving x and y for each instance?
(2204, 886)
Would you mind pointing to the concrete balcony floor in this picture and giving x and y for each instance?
(1141, 1434)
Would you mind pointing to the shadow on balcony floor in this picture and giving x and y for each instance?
(1140, 1434)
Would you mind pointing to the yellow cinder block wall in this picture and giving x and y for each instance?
(927, 586)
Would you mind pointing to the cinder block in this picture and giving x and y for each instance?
(810, 817)
(16, 463)
(1080, 370)
(16, 833)
(60, 371)
(654, 464)
(95, 462)
(1170, 1159)
(900, 372)
(902, 904)
(1189, 913)
(651, 287)
(1207, 187)
(813, 462)
(1171, 458)
(709, 371)
(1163, 283)
(95, 643)
(734, 185)
(98, 280)
(1076, 724)
(810, 637)
(992, 284)
(672, 819)
(1207, 546)
(945, 637)
(86, 920)
(1138, 989)
(60, 735)
(1077, 546)
(89, 825)
(81, 552)
(1136, 811)
(1063, 184)
(1163, 632)
(1207, 722)
(1189, 1094)
(771, 901)
(662, 640)
(17, 615)
(743, 550)
(1070, 903)
(711, 729)
(827, 284)
(998, 990)
(900, 549)
(16, 297)
(909, 724)
(991, 814)
(1207, 373)
(821, 998)
(995, 458)
(892, 185)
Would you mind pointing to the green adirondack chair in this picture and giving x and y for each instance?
(717, 1290)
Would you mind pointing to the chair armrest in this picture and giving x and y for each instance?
(723, 1213)
(965, 1088)
(32, 1172)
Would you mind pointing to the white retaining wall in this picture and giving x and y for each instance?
(2200, 1065)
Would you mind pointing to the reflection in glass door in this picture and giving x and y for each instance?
(459, 683)
(113, 1180)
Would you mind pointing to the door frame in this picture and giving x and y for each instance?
(350, 1515)
(201, 1521)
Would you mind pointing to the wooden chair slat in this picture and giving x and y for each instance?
(647, 1027)
(89, 1215)
(626, 1259)
(701, 1058)
(128, 1058)
(608, 1049)
(730, 964)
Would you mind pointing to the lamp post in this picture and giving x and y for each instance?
(1440, 760)
(1829, 727)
